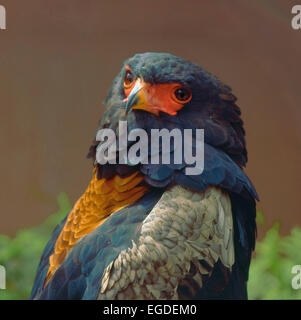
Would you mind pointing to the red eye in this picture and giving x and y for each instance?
(128, 79)
(181, 95)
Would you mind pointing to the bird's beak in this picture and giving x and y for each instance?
(138, 99)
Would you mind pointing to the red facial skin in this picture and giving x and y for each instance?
(158, 97)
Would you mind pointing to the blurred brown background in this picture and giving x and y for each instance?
(57, 61)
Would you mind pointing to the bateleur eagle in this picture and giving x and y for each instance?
(151, 231)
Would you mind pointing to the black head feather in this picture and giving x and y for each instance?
(212, 107)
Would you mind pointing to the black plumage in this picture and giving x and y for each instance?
(212, 108)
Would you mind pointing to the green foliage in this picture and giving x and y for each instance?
(21, 255)
(270, 272)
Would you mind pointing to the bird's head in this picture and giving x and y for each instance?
(160, 90)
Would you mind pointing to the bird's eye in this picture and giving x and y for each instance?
(182, 95)
(128, 79)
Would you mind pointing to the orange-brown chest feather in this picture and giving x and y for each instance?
(100, 200)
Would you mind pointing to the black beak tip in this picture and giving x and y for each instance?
(132, 100)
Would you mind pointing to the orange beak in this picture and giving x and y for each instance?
(140, 98)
